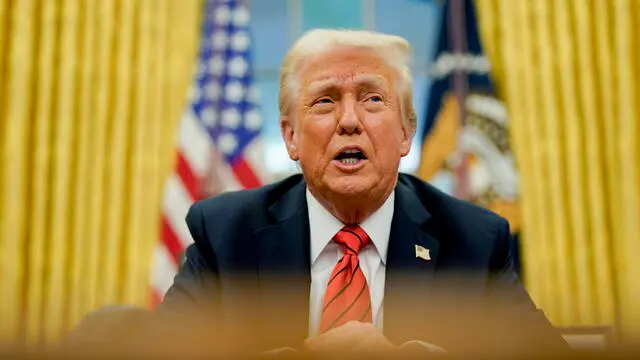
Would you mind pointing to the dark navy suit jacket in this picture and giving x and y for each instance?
(251, 263)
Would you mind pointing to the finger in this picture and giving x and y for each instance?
(371, 339)
(373, 344)
(334, 338)
(343, 337)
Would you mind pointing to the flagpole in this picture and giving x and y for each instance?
(458, 38)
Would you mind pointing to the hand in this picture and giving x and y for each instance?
(422, 346)
(353, 336)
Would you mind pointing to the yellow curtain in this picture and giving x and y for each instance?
(90, 97)
(570, 74)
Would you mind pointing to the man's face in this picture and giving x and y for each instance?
(345, 127)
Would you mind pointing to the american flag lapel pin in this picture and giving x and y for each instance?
(423, 253)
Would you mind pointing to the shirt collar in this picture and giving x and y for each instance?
(323, 226)
(378, 226)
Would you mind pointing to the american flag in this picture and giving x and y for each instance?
(218, 140)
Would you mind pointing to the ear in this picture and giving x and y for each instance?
(408, 131)
(287, 130)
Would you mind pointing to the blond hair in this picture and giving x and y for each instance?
(393, 50)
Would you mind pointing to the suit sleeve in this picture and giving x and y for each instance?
(195, 288)
(505, 284)
(523, 325)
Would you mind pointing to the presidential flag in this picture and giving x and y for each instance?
(466, 150)
(218, 146)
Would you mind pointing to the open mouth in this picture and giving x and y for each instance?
(350, 157)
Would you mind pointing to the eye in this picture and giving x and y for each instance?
(324, 100)
(375, 98)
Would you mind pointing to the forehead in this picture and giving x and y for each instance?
(348, 66)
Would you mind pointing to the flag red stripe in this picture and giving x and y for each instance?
(245, 174)
(188, 177)
(171, 241)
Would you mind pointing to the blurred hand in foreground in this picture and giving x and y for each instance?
(352, 336)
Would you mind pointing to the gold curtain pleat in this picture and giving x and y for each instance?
(91, 93)
(570, 76)
(14, 195)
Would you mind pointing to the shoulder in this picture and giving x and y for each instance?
(238, 209)
(232, 204)
(454, 213)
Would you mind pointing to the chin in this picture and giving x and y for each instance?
(352, 186)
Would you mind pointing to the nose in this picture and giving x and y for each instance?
(349, 121)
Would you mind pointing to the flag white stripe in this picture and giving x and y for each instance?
(254, 155)
(176, 206)
(229, 180)
(224, 174)
(164, 270)
(195, 143)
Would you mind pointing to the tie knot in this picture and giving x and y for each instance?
(352, 238)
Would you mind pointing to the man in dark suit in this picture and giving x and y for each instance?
(351, 254)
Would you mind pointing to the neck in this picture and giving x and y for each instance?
(349, 210)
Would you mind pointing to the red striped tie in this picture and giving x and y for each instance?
(347, 297)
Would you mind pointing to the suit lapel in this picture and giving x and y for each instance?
(284, 267)
(409, 278)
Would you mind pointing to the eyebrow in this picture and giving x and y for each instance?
(371, 80)
(368, 80)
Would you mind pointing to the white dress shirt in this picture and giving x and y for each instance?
(325, 254)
